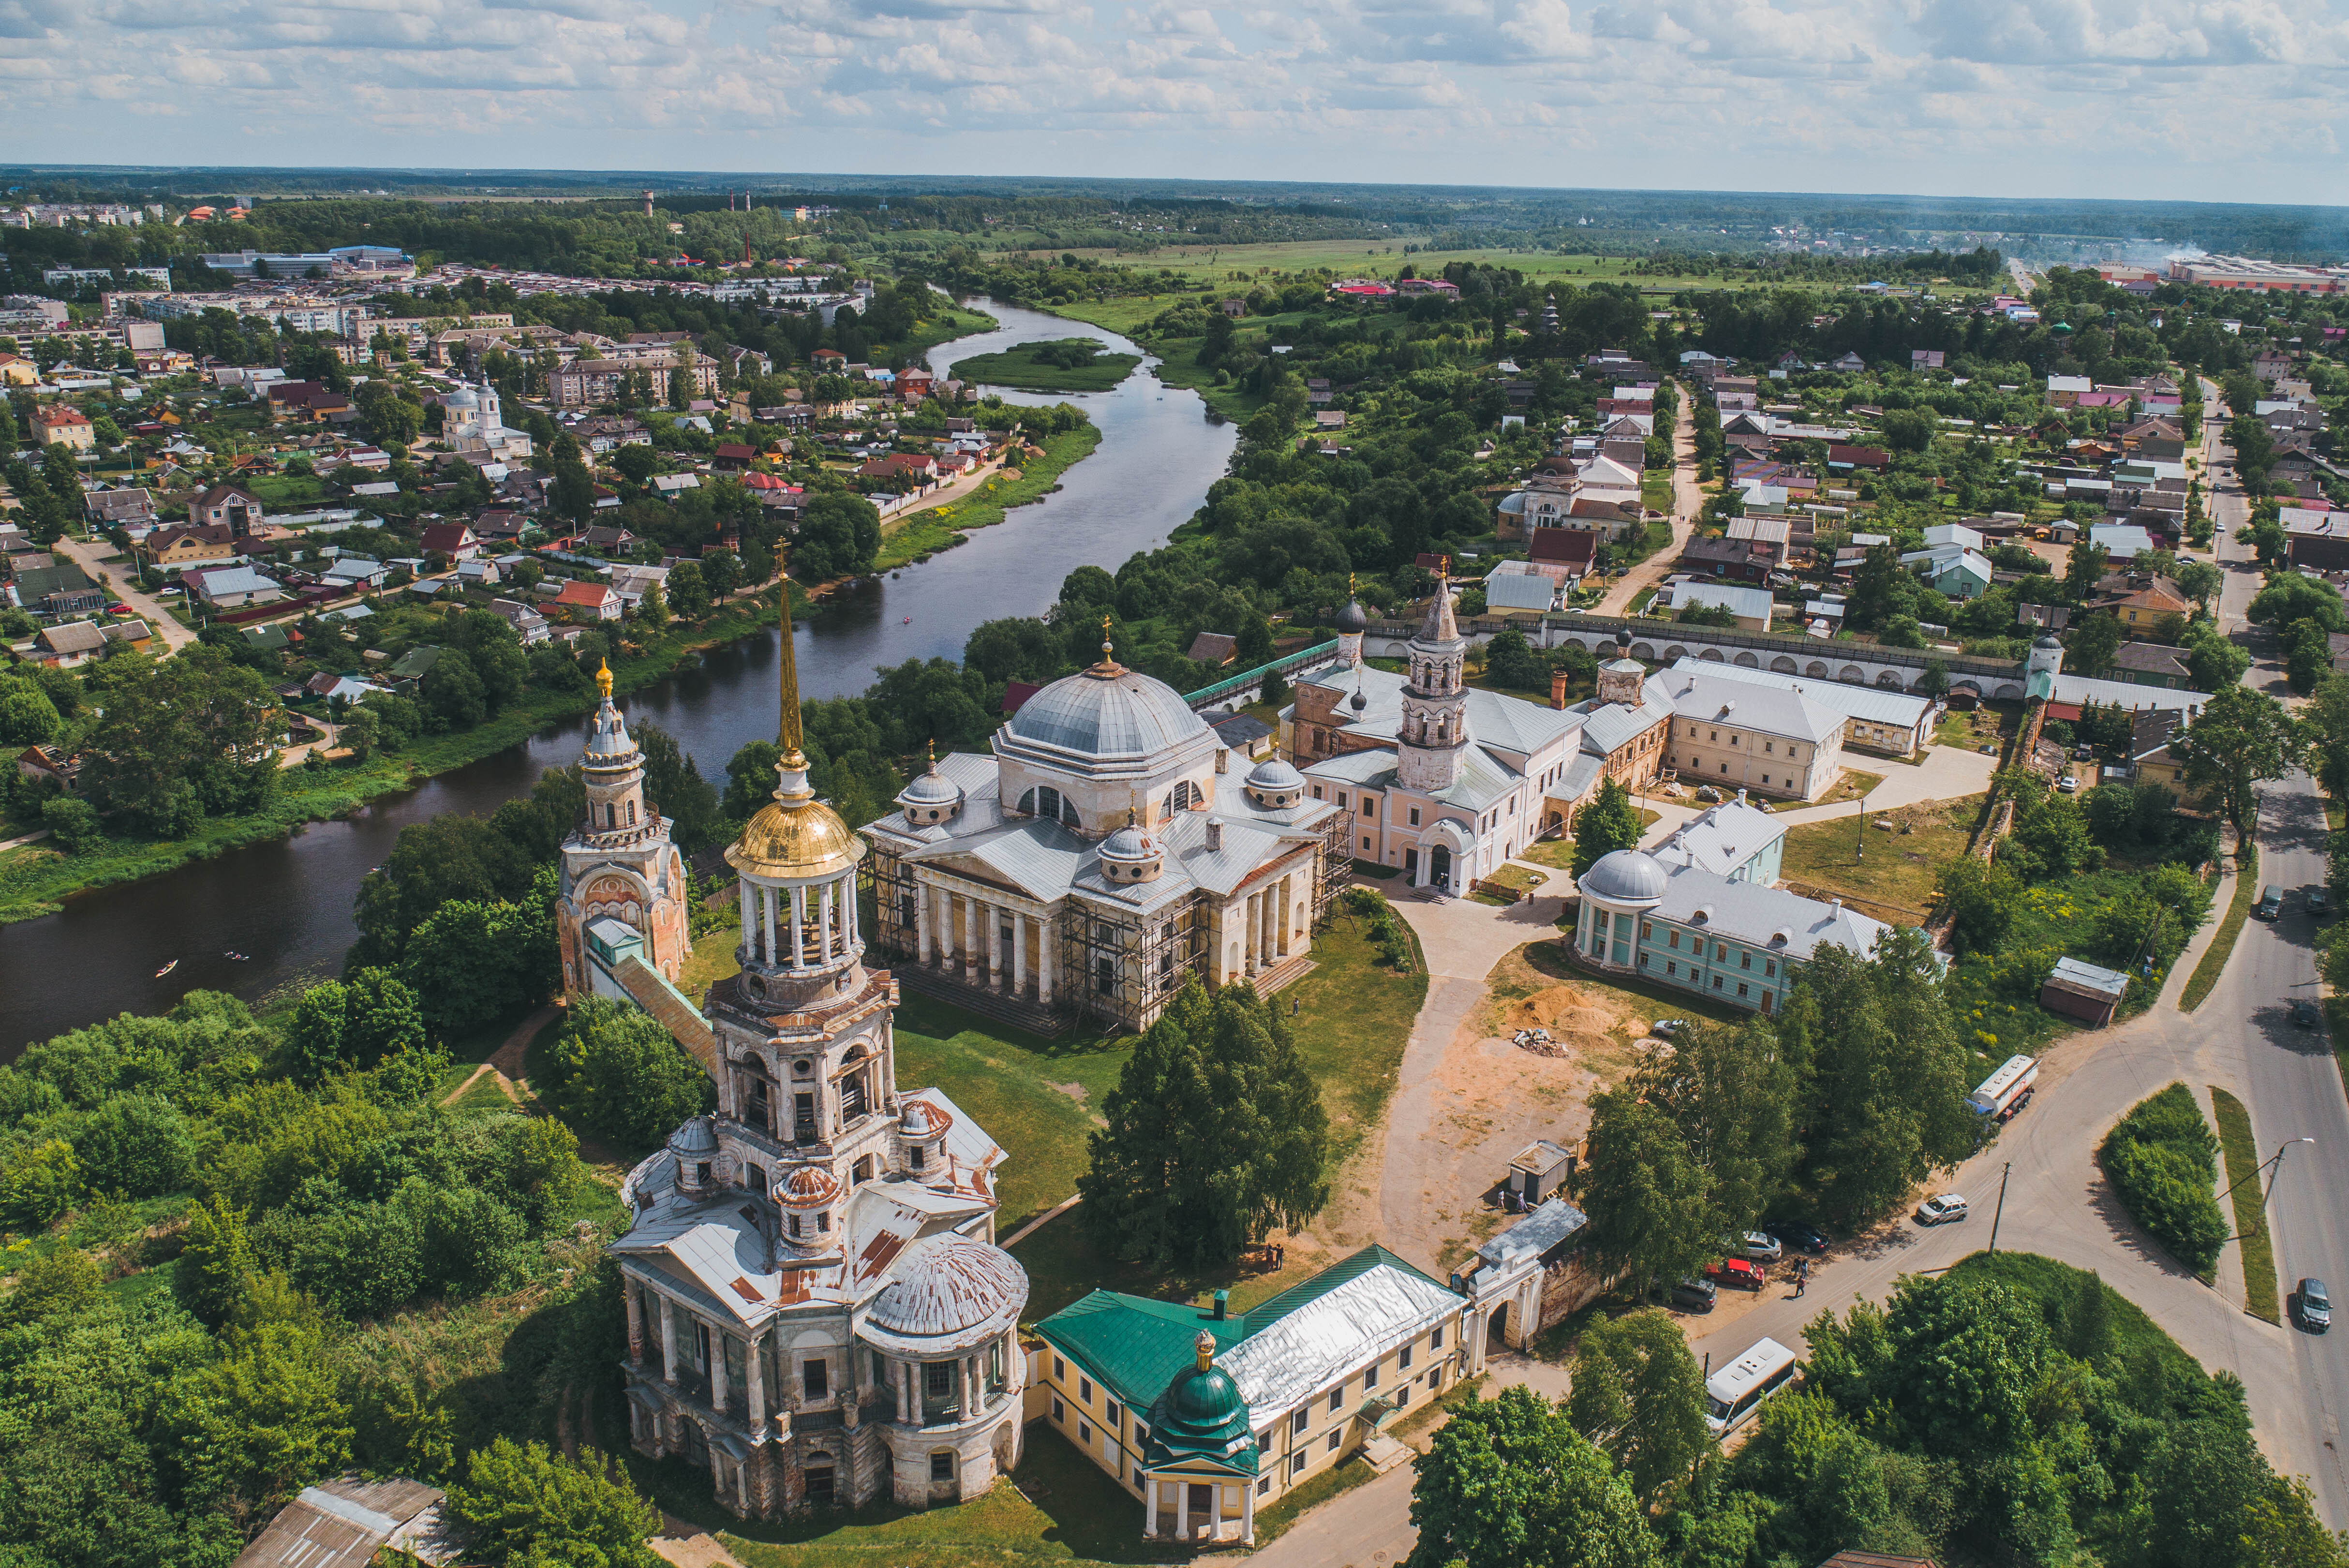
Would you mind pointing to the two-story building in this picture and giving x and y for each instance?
(1736, 734)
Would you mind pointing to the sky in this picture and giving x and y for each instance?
(2227, 100)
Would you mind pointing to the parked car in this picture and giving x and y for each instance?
(2304, 1013)
(1987, 750)
(1744, 1276)
(1692, 1295)
(1665, 1029)
(117, 609)
(1799, 1234)
(1761, 1247)
(2312, 1305)
(2319, 903)
(2067, 785)
(2084, 753)
(1942, 1210)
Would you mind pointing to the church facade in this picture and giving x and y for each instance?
(817, 1310)
(619, 866)
(1107, 848)
(1443, 780)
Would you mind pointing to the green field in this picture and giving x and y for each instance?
(1034, 368)
(1242, 264)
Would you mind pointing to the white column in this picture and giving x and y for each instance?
(767, 937)
(798, 923)
(905, 1372)
(1044, 959)
(1269, 945)
(1018, 954)
(717, 1369)
(848, 915)
(991, 927)
(922, 924)
(969, 936)
(668, 1339)
(754, 1380)
(750, 920)
(1247, 1513)
(962, 1387)
(826, 896)
(636, 1324)
(1248, 923)
(1181, 1511)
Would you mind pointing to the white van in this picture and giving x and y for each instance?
(1736, 1390)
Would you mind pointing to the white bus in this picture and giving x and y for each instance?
(1735, 1392)
(2002, 1093)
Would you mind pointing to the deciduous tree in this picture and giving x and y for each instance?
(1639, 1394)
(1509, 1481)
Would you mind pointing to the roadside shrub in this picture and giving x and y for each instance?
(2162, 1160)
(1384, 930)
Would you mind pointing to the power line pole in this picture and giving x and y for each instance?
(1999, 1212)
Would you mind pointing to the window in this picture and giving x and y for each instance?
(1112, 1417)
(1647, 932)
(1085, 1433)
(1768, 746)
(1716, 982)
(1297, 1422)
(1060, 1411)
(1720, 953)
(1317, 792)
(1331, 1444)
(1371, 1378)
(1263, 1483)
(1060, 1371)
(1297, 1464)
(1741, 987)
(1674, 969)
(1643, 961)
(1435, 1339)
(1745, 961)
(1141, 1434)
(1770, 968)
(937, 1379)
(1725, 767)
(1414, 816)
(1370, 808)
(913, 1157)
(942, 1465)
(1342, 797)
(1337, 1398)
(822, 1222)
(1084, 1390)
(816, 1376)
(862, 1170)
(1402, 1361)
(1366, 840)
(1671, 939)
(795, 1227)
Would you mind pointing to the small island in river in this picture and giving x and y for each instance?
(1061, 365)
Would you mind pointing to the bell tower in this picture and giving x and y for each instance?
(618, 863)
(1435, 703)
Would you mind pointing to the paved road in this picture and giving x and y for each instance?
(1688, 499)
(124, 588)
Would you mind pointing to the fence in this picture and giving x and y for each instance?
(1305, 658)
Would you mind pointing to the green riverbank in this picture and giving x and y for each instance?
(915, 537)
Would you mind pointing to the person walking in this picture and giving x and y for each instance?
(1802, 1277)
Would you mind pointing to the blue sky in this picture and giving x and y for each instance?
(2203, 99)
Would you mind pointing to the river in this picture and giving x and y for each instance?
(286, 902)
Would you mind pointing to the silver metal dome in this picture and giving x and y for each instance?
(1105, 712)
(696, 1137)
(1129, 844)
(1272, 773)
(1626, 876)
(607, 740)
(1353, 617)
(931, 788)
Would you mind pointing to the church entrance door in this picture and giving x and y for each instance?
(1439, 865)
(1411, 867)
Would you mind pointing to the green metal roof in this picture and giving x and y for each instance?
(1135, 1346)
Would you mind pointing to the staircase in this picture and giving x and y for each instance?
(1290, 969)
(1017, 1011)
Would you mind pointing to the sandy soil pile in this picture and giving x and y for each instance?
(1573, 1019)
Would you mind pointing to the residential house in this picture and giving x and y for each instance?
(733, 457)
(15, 370)
(76, 643)
(2151, 761)
(2064, 391)
(48, 765)
(2140, 599)
(1951, 570)
(59, 590)
(2315, 541)
(608, 539)
(1215, 648)
(356, 572)
(2160, 440)
(2121, 540)
(453, 540)
(131, 508)
(1925, 358)
(1752, 606)
(2152, 664)
(307, 400)
(234, 587)
(61, 425)
(587, 601)
(477, 573)
(633, 583)
(181, 544)
(227, 506)
(527, 623)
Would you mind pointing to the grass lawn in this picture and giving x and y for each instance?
(2231, 926)
(1516, 877)
(2242, 1158)
(1853, 786)
(1178, 365)
(1558, 854)
(1655, 536)
(2060, 1285)
(712, 960)
(1656, 489)
(1352, 1021)
(1899, 868)
(1640, 601)
(1059, 1507)
(1985, 725)
(1030, 367)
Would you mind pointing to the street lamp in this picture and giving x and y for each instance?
(2278, 1162)
(1859, 830)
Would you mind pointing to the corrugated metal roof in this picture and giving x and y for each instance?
(1748, 604)
(1699, 691)
(1747, 912)
(1725, 837)
(1870, 705)
(1520, 591)
(2089, 978)
(1553, 1222)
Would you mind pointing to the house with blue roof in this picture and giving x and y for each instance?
(1207, 1417)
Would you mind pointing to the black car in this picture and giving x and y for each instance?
(1692, 1295)
(2312, 1305)
(1798, 1235)
(2304, 1013)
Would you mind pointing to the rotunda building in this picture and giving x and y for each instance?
(1617, 890)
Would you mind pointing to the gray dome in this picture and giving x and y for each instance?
(948, 1287)
(1626, 876)
(1358, 701)
(1104, 712)
(1353, 617)
(1272, 773)
(609, 744)
(696, 1137)
(464, 397)
(1130, 846)
(2046, 640)
(931, 788)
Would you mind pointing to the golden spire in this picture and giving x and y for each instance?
(1350, 592)
(604, 680)
(1108, 665)
(930, 751)
(1204, 1348)
(788, 735)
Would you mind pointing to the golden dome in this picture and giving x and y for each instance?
(787, 841)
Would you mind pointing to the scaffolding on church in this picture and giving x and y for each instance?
(1337, 867)
(894, 929)
(1122, 966)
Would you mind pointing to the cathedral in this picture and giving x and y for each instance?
(816, 1307)
(1106, 847)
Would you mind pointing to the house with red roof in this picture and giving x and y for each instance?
(453, 540)
(587, 601)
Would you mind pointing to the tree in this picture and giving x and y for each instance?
(2199, 580)
(178, 738)
(532, 1507)
(619, 1072)
(2213, 661)
(675, 788)
(1729, 1092)
(1639, 1396)
(1983, 903)
(452, 692)
(215, 1261)
(2308, 654)
(1510, 661)
(137, 1145)
(2084, 570)
(2092, 643)
(27, 717)
(2291, 596)
(361, 733)
(72, 823)
(2239, 741)
(2325, 722)
(652, 610)
(839, 535)
(1610, 822)
(1509, 1481)
(1216, 1135)
(1655, 1216)
(688, 594)
(254, 1427)
(1881, 589)
(470, 961)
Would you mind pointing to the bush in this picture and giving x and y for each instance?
(2162, 1160)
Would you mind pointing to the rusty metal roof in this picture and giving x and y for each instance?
(952, 1293)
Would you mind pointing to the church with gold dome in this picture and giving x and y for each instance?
(817, 1310)
(1105, 848)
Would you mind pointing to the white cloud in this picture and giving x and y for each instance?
(2017, 96)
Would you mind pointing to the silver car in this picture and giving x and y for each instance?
(1942, 1210)
(1761, 1247)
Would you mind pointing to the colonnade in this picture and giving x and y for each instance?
(809, 926)
(969, 941)
(1268, 924)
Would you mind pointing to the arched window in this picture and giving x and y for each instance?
(1069, 813)
(1048, 802)
(632, 814)
(1028, 803)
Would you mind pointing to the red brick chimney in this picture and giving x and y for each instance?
(1557, 688)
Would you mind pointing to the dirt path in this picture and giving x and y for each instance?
(1688, 499)
(505, 1063)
